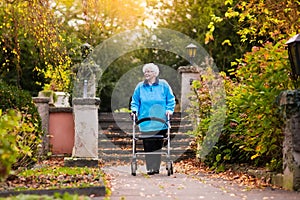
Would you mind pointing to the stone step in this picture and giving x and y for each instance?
(119, 116)
(106, 143)
(111, 135)
(127, 129)
(127, 155)
(115, 137)
(123, 150)
(117, 151)
(121, 122)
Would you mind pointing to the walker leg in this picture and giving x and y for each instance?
(170, 168)
(133, 167)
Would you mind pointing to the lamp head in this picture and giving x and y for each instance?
(191, 50)
(294, 54)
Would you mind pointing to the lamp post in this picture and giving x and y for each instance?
(191, 52)
(188, 74)
(294, 56)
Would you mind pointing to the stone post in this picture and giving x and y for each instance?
(290, 103)
(42, 104)
(85, 111)
(188, 74)
(85, 150)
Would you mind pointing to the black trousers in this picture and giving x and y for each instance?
(151, 145)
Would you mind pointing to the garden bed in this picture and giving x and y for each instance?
(50, 177)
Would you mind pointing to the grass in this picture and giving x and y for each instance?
(53, 175)
(57, 177)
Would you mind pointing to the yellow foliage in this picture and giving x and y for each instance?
(254, 156)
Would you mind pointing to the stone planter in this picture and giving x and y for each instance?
(50, 94)
(62, 99)
(57, 99)
(61, 130)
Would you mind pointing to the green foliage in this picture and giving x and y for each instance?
(9, 124)
(28, 133)
(253, 129)
(256, 129)
(14, 98)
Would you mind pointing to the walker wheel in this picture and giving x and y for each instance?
(133, 168)
(169, 168)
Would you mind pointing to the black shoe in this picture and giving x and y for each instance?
(151, 172)
(156, 171)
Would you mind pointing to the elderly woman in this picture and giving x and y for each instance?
(152, 97)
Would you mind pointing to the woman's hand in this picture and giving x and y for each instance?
(169, 113)
(133, 115)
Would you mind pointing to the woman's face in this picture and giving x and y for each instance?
(149, 75)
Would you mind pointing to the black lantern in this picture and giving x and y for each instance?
(294, 55)
(191, 51)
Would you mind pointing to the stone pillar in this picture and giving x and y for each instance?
(188, 74)
(290, 103)
(42, 104)
(85, 150)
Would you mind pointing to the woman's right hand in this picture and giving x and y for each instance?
(133, 115)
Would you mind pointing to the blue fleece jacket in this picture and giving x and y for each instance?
(153, 101)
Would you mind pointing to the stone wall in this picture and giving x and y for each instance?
(42, 104)
(290, 104)
(188, 74)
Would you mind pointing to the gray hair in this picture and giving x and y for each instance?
(151, 67)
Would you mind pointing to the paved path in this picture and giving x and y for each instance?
(183, 187)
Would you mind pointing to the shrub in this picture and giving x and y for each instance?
(9, 124)
(257, 134)
(253, 129)
(29, 133)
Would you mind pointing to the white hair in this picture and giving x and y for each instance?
(151, 67)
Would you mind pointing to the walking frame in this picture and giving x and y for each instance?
(135, 153)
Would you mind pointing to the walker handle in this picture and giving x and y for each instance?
(151, 119)
(168, 120)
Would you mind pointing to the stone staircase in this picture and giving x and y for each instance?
(115, 138)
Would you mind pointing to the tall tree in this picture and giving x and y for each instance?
(94, 21)
(40, 39)
(32, 48)
(193, 18)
